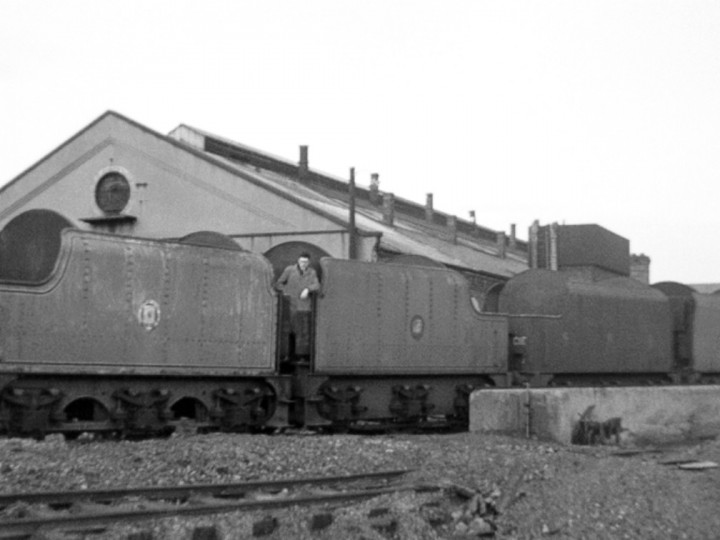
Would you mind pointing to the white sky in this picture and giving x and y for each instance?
(572, 111)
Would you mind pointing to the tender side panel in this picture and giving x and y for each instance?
(540, 335)
(611, 326)
(386, 318)
(620, 327)
(127, 303)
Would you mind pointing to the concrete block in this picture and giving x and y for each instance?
(647, 414)
(500, 410)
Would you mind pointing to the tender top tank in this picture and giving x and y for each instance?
(122, 304)
(29, 245)
(572, 325)
(696, 320)
(378, 318)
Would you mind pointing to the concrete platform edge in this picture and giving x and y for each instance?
(620, 415)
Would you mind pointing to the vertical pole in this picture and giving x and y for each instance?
(553, 247)
(352, 247)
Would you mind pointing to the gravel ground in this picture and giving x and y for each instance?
(495, 487)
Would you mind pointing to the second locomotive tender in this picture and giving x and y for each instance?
(109, 333)
(100, 332)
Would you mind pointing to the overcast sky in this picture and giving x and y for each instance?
(571, 111)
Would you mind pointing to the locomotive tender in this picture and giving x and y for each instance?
(110, 333)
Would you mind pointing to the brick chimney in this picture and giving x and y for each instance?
(513, 236)
(303, 164)
(375, 188)
(429, 207)
(388, 208)
(640, 268)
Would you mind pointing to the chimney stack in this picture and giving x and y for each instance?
(501, 244)
(534, 239)
(352, 230)
(475, 230)
(429, 207)
(375, 188)
(452, 228)
(513, 236)
(303, 165)
(640, 268)
(388, 208)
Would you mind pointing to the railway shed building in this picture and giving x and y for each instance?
(119, 176)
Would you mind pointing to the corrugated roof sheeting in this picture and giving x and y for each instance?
(404, 236)
(331, 185)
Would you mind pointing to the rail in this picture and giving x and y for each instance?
(27, 527)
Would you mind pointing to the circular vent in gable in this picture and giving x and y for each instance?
(112, 193)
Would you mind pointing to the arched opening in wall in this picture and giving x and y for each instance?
(492, 298)
(283, 255)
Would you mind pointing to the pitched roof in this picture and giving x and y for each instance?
(181, 145)
(454, 242)
(470, 246)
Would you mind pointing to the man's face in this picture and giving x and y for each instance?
(303, 263)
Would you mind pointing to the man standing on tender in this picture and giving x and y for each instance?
(297, 282)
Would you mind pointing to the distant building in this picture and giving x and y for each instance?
(588, 250)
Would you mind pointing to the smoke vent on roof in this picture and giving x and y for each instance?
(375, 188)
(303, 164)
(452, 228)
(501, 244)
(429, 207)
(388, 208)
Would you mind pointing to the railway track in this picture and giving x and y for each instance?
(98, 509)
